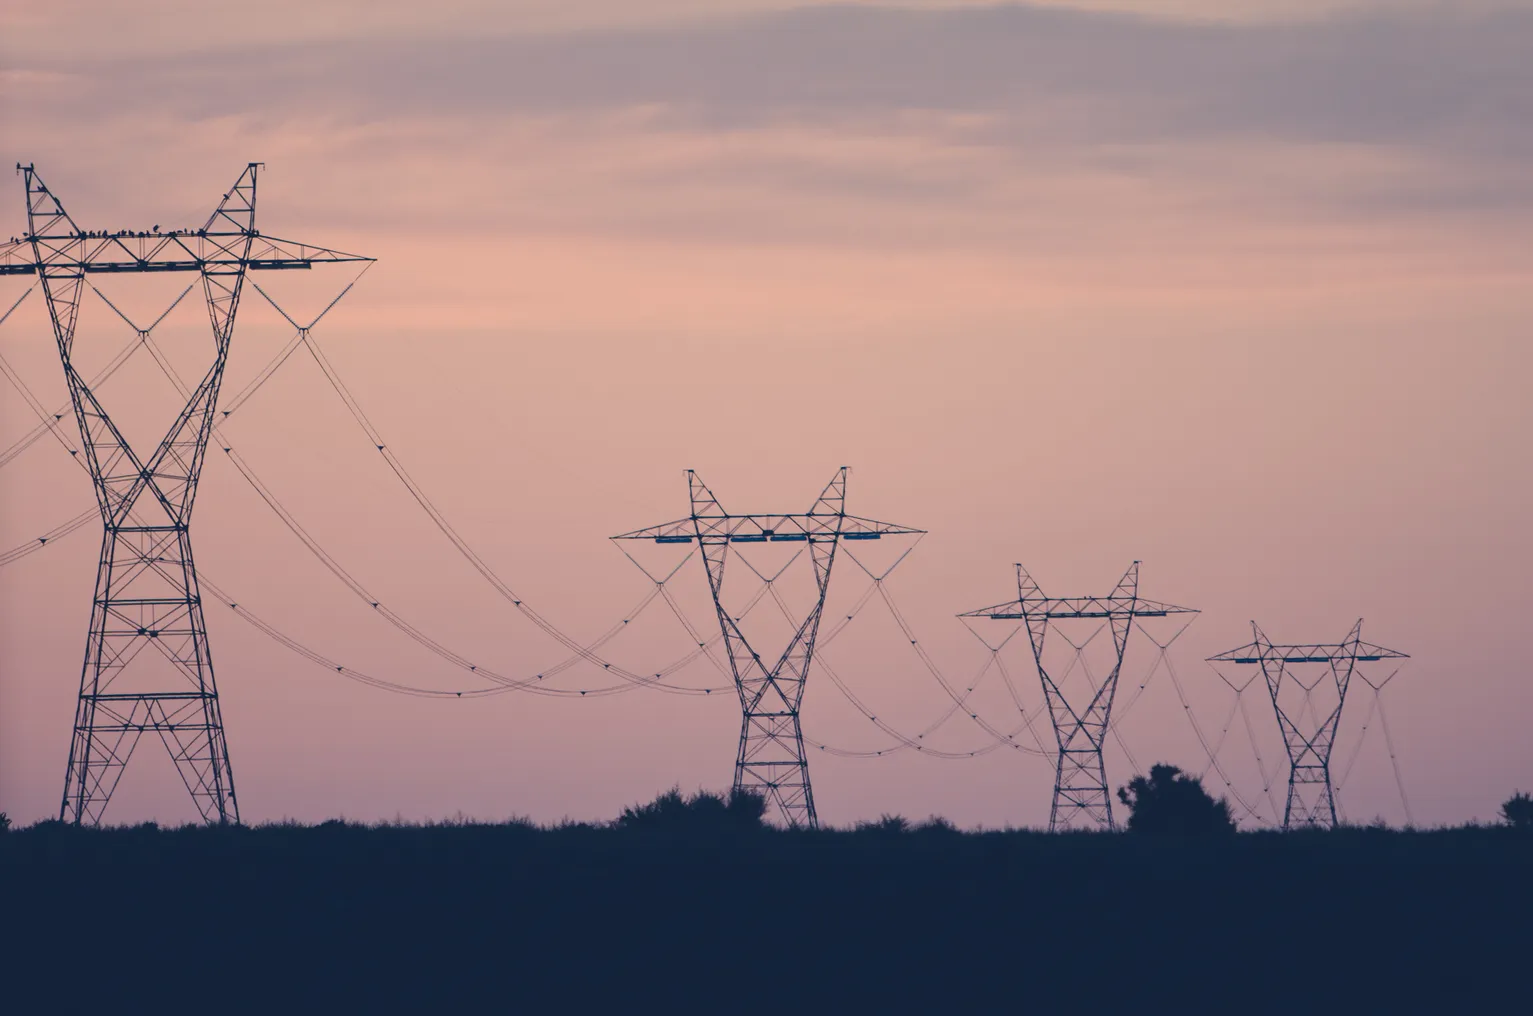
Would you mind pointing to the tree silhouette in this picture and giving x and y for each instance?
(1517, 812)
(1169, 801)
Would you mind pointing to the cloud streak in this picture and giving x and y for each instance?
(1042, 133)
(1437, 79)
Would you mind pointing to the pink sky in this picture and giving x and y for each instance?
(1271, 344)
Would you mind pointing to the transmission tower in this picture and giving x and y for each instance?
(146, 585)
(771, 760)
(1081, 793)
(1309, 731)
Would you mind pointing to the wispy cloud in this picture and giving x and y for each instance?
(1039, 132)
(1417, 78)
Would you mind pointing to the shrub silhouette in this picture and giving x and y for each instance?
(888, 825)
(672, 810)
(5, 822)
(1517, 812)
(1169, 801)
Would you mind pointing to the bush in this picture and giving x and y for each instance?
(1517, 812)
(888, 825)
(1169, 801)
(742, 809)
(5, 822)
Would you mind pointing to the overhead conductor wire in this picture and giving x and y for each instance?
(440, 520)
(145, 340)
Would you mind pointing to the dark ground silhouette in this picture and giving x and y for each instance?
(721, 915)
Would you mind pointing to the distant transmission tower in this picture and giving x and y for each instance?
(1309, 730)
(1081, 793)
(771, 759)
(146, 585)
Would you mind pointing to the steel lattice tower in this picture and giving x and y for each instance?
(771, 759)
(1311, 795)
(1081, 792)
(146, 585)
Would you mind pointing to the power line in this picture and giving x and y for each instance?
(533, 684)
(440, 520)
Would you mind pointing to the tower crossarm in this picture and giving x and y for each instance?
(769, 529)
(148, 251)
(54, 244)
(1051, 608)
(1261, 652)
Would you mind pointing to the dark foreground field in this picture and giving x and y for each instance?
(501, 918)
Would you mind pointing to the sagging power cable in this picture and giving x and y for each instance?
(534, 683)
(437, 517)
(144, 339)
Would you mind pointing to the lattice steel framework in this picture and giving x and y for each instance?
(1308, 735)
(1081, 792)
(146, 585)
(771, 759)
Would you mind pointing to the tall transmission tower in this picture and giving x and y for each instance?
(146, 585)
(1309, 730)
(771, 759)
(1081, 793)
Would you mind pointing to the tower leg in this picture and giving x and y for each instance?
(1081, 798)
(772, 762)
(1311, 798)
(147, 599)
